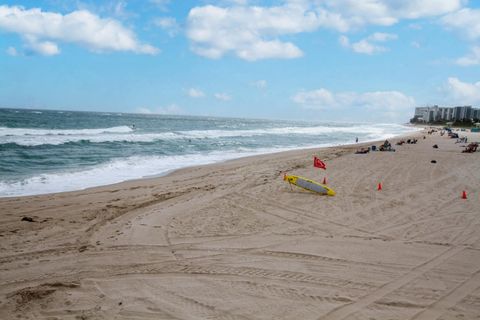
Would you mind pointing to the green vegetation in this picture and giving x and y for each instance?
(456, 124)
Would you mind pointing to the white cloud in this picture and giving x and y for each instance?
(222, 96)
(470, 59)
(363, 46)
(463, 92)
(11, 51)
(269, 49)
(45, 48)
(119, 9)
(260, 84)
(168, 24)
(389, 104)
(465, 21)
(254, 32)
(251, 33)
(195, 93)
(367, 45)
(355, 14)
(170, 109)
(42, 29)
(316, 99)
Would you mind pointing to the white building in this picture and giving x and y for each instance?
(435, 113)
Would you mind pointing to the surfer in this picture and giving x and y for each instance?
(132, 126)
(356, 140)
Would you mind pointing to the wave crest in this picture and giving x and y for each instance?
(9, 132)
(36, 137)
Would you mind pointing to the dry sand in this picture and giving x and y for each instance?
(233, 241)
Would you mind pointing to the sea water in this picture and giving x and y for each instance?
(45, 151)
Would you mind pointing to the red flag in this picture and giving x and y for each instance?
(319, 163)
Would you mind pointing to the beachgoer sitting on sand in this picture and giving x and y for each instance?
(412, 141)
(386, 146)
(363, 150)
(471, 148)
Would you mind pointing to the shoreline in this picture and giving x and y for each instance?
(233, 240)
(168, 172)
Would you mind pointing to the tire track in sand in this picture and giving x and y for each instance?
(300, 216)
(250, 272)
(344, 311)
(455, 296)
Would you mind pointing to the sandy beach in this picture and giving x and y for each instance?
(234, 241)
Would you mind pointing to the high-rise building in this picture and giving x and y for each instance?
(476, 114)
(462, 113)
(449, 116)
(435, 113)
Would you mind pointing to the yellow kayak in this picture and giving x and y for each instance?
(309, 185)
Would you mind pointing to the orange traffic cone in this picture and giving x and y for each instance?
(464, 194)
(379, 186)
(324, 180)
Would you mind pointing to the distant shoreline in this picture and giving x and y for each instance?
(433, 125)
(53, 152)
(360, 144)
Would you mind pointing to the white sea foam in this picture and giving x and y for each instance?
(63, 132)
(138, 167)
(117, 171)
(35, 137)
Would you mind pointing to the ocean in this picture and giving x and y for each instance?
(45, 151)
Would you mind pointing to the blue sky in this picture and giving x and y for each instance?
(343, 60)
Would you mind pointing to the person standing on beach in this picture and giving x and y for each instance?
(356, 139)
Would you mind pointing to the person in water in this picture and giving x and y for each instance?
(356, 140)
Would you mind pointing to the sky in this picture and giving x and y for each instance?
(323, 60)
